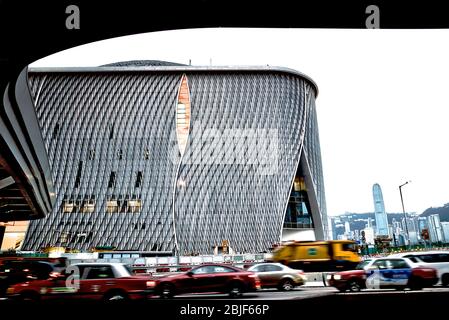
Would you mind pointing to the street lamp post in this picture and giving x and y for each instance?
(405, 216)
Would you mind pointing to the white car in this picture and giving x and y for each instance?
(438, 260)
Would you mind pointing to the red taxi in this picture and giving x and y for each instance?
(96, 281)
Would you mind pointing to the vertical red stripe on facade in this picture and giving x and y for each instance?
(183, 115)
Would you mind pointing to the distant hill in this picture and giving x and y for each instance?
(358, 221)
(442, 211)
(364, 216)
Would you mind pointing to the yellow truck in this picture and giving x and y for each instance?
(318, 255)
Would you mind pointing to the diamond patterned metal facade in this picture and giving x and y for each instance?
(121, 180)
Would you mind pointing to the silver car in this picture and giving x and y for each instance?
(277, 275)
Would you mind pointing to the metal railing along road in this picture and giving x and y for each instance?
(173, 263)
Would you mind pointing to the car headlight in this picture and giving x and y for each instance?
(337, 277)
(151, 284)
(10, 291)
(328, 277)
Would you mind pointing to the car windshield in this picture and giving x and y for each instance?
(362, 265)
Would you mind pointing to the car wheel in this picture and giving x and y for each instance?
(415, 283)
(116, 296)
(445, 280)
(235, 289)
(286, 285)
(354, 286)
(167, 291)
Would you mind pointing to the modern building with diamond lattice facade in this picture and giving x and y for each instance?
(155, 157)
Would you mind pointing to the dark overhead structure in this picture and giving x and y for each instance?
(163, 157)
(26, 188)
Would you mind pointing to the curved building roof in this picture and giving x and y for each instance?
(156, 65)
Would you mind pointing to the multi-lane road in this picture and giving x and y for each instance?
(316, 292)
(308, 302)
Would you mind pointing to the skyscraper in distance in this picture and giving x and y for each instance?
(379, 211)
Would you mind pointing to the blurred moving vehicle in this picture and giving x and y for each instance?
(14, 271)
(318, 255)
(97, 281)
(208, 278)
(276, 275)
(438, 260)
(383, 273)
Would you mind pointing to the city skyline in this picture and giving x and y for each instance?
(350, 226)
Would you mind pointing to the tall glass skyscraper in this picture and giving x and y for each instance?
(379, 211)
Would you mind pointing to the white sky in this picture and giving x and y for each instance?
(383, 104)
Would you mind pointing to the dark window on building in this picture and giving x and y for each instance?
(141, 224)
(123, 205)
(68, 206)
(111, 131)
(55, 131)
(134, 205)
(139, 179)
(111, 182)
(298, 214)
(91, 154)
(111, 206)
(78, 174)
(87, 206)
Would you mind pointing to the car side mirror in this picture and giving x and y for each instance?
(189, 273)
